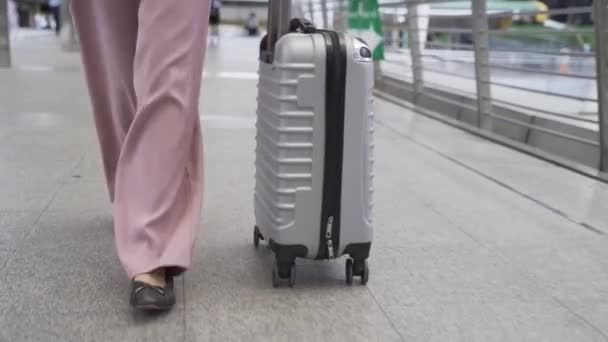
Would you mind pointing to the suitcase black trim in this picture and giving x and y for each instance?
(358, 251)
(335, 98)
(285, 255)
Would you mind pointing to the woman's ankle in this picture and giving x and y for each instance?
(154, 278)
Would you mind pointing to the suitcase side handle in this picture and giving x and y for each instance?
(301, 25)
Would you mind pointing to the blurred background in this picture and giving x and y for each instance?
(524, 70)
(518, 69)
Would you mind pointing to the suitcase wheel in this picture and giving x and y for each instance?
(359, 268)
(257, 236)
(286, 272)
(349, 271)
(275, 277)
(365, 274)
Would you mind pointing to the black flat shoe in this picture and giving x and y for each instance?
(147, 297)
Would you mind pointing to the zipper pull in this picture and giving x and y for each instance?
(328, 236)
(330, 227)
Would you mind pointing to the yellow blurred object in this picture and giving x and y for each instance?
(505, 23)
(541, 7)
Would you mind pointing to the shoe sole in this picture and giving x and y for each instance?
(152, 307)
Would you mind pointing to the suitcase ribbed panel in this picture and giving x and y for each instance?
(284, 144)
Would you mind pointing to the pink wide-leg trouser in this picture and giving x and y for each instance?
(143, 61)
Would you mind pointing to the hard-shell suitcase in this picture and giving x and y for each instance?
(314, 148)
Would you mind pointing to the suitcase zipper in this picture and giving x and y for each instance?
(330, 226)
(329, 235)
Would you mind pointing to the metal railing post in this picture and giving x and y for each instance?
(600, 23)
(68, 31)
(297, 10)
(415, 51)
(311, 10)
(5, 41)
(325, 14)
(482, 62)
(339, 16)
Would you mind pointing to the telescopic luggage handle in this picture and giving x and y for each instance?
(279, 24)
(279, 14)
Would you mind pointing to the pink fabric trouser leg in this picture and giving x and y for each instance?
(143, 61)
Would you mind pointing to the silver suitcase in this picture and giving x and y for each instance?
(314, 146)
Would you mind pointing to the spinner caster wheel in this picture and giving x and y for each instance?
(256, 239)
(365, 274)
(361, 269)
(257, 236)
(349, 271)
(286, 273)
(275, 277)
(292, 275)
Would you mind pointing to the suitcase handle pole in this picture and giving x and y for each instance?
(279, 15)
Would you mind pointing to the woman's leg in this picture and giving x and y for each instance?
(108, 34)
(160, 171)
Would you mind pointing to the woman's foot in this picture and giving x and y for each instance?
(153, 291)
